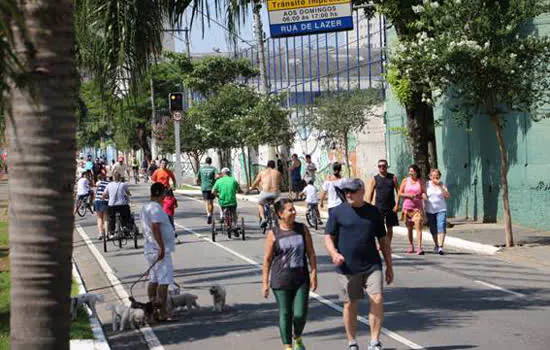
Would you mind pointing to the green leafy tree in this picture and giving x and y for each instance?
(484, 53)
(338, 115)
(420, 117)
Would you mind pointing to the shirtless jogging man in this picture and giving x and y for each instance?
(269, 181)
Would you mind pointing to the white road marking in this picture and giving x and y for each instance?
(494, 286)
(321, 299)
(150, 337)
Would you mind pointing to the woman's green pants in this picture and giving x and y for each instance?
(293, 305)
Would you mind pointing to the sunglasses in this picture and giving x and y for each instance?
(382, 166)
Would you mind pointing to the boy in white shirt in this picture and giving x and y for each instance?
(312, 198)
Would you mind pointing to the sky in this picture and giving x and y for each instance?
(215, 35)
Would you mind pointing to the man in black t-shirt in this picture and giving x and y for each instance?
(351, 233)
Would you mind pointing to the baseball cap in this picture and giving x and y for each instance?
(350, 185)
(226, 170)
(121, 159)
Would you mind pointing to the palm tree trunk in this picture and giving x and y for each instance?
(346, 153)
(259, 34)
(504, 164)
(245, 160)
(41, 133)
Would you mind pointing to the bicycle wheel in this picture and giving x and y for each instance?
(104, 242)
(308, 219)
(135, 233)
(213, 230)
(90, 208)
(242, 228)
(315, 221)
(80, 208)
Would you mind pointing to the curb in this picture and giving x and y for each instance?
(100, 341)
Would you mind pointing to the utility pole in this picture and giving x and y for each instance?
(153, 124)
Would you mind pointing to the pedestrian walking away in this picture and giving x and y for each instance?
(119, 202)
(413, 190)
(288, 248)
(436, 209)
(351, 233)
(295, 176)
(169, 205)
(164, 175)
(329, 190)
(157, 249)
(269, 183)
(381, 192)
(101, 205)
(206, 177)
(152, 168)
(121, 169)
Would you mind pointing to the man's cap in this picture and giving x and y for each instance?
(350, 185)
(226, 170)
(121, 159)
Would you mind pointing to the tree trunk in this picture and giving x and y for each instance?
(497, 123)
(419, 122)
(142, 141)
(346, 154)
(41, 129)
(246, 174)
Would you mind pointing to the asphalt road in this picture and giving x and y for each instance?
(456, 301)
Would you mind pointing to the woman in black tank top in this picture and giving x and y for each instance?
(288, 247)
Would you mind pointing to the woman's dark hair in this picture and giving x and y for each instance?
(337, 168)
(416, 169)
(280, 204)
(157, 189)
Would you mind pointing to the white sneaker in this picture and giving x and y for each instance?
(377, 346)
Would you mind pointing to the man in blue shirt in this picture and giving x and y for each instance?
(351, 233)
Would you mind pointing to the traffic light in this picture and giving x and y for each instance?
(175, 101)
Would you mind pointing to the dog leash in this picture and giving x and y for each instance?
(141, 277)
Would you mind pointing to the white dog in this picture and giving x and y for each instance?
(123, 314)
(185, 300)
(89, 299)
(218, 294)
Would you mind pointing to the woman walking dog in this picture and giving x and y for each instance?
(287, 249)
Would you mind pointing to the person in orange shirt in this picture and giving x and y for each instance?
(163, 175)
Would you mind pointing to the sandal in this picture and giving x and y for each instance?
(410, 250)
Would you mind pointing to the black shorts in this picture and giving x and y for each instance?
(389, 217)
(207, 195)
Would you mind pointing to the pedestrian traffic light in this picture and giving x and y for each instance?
(175, 100)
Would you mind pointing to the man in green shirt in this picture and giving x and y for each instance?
(226, 189)
(206, 177)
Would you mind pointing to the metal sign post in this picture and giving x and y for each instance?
(177, 169)
(301, 17)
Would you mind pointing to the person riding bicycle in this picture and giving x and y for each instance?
(119, 202)
(121, 169)
(270, 182)
(83, 190)
(312, 199)
(226, 189)
(135, 169)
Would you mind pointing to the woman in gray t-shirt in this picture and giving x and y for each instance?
(287, 249)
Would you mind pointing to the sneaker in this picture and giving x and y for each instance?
(299, 344)
(100, 237)
(436, 249)
(209, 220)
(375, 346)
(440, 251)
(420, 252)
(353, 347)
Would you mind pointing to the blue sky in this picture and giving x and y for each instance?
(214, 36)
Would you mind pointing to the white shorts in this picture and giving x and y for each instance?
(163, 271)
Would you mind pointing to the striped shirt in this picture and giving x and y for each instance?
(100, 189)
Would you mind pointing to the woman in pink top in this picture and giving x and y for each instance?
(413, 190)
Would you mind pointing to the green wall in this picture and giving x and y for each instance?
(469, 160)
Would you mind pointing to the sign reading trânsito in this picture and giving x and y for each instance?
(301, 17)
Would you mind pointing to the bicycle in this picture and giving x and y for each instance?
(270, 216)
(121, 234)
(226, 225)
(84, 204)
(312, 218)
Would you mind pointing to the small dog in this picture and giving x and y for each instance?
(89, 299)
(123, 314)
(218, 294)
(185, 300)
(148, 308)
(174, 289)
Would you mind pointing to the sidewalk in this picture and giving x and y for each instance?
(532, 246)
